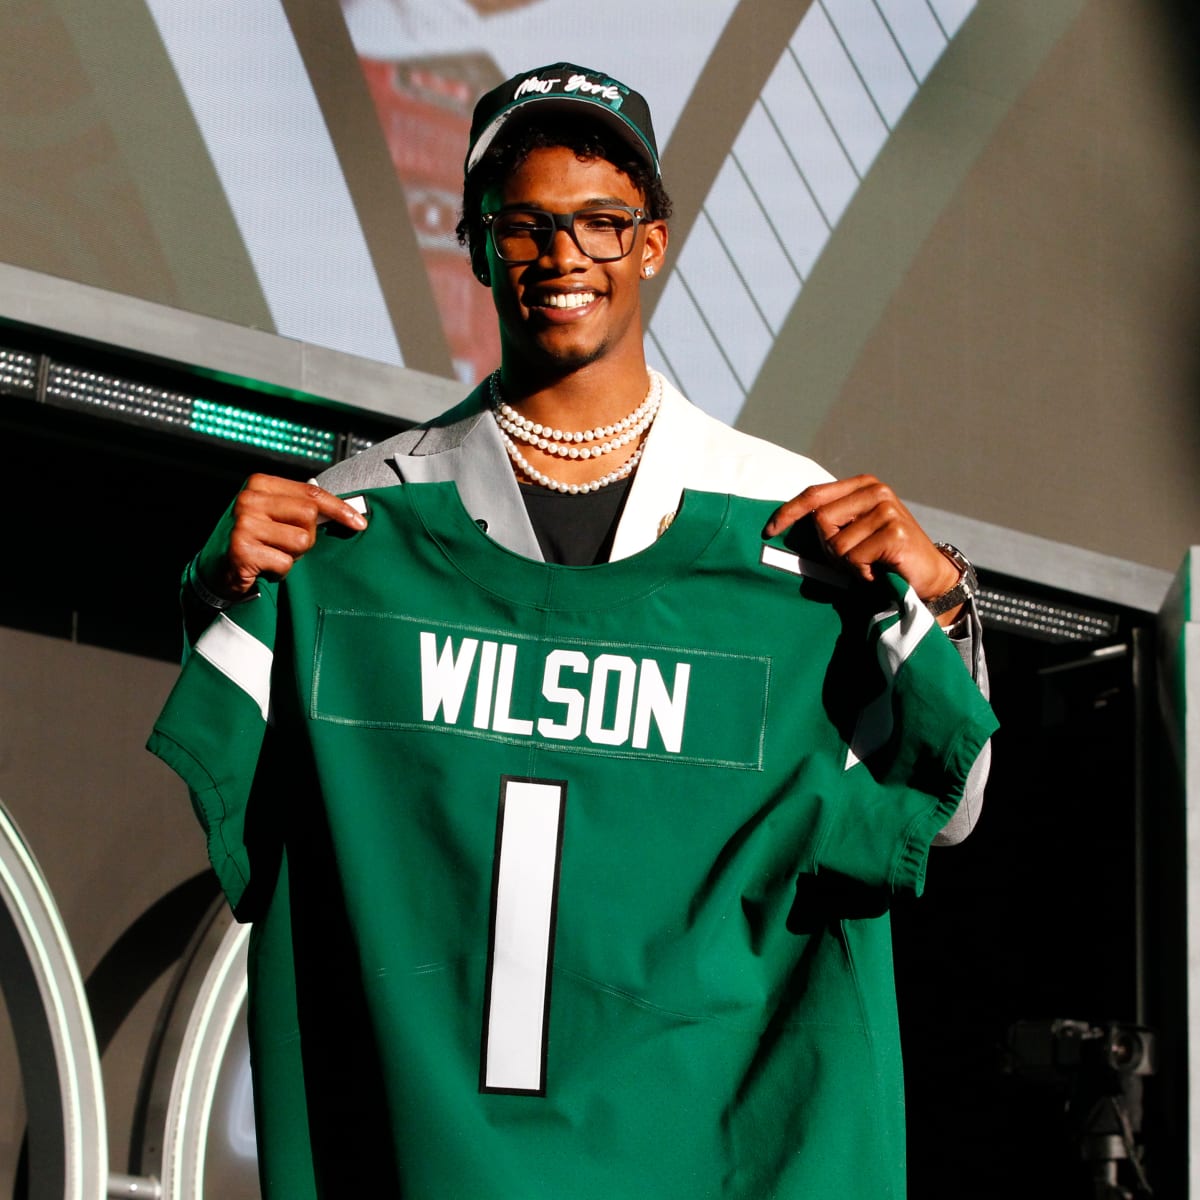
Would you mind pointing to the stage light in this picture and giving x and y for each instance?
(143, 404)
(236, 424)
(59, 384)
(18, 373)
(1043, 619)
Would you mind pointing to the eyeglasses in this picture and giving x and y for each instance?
(604, 234)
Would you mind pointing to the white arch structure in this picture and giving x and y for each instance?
(200, 1020)
(56, 1044)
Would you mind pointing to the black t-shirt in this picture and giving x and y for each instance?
(575, 531)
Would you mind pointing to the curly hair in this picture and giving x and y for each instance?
(588, 139)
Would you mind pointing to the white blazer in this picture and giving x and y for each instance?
(685, 448)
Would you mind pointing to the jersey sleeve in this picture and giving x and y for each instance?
(914, 738)
(212, 728)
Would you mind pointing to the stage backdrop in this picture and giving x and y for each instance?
(951, 242)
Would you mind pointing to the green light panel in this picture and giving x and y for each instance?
(142, 404)
(267, 433)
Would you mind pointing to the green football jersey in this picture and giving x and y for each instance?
(571, 882)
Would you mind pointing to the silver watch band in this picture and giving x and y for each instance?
(963, 590)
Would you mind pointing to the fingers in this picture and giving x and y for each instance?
(249, 557)
(878, 537)
(292, 502)
(868, 500)
(813, 499)
(865, 527)
(338, 510)
(869, 518)
(274, 523)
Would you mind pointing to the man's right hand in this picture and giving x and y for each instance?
(270, 525)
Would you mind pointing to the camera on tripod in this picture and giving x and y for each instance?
(1101, 1067)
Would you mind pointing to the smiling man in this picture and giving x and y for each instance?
(568, 783)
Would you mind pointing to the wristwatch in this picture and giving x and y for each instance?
(963, 590)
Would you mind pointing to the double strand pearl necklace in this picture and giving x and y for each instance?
(571, 445)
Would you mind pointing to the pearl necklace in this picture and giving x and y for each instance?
(567, 445)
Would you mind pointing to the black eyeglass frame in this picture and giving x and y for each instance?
(566, 222)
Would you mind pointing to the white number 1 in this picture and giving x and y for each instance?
(516, 1002)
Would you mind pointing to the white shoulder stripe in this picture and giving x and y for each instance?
(902, 637)
(896, 644)
(240, 657)
(785, 560)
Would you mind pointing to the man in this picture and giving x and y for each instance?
(573, 453)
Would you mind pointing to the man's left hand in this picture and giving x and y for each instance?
(865, 527)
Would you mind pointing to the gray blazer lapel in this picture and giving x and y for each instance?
(470, 454)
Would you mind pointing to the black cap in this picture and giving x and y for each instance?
(565, 87)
